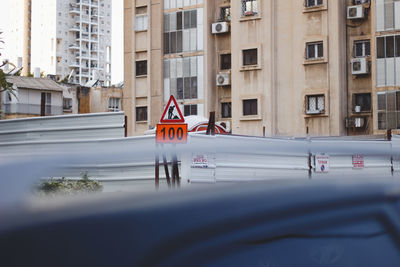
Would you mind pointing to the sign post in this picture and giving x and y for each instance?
(172, 129)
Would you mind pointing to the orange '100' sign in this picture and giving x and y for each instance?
(171, 133)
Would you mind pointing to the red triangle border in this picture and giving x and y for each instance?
(172, 98)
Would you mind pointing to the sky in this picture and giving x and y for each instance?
(117, 53)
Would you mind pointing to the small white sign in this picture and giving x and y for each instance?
(358, 161)
(322, 163)
(199, 161)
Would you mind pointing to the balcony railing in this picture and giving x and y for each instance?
(75, 10)
(73, 47)
(75, 29)
(75, 64)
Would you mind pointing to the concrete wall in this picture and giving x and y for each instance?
(99, 97)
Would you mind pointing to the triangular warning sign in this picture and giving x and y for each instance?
(172, 113)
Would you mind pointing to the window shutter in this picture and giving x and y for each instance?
(380, 72)
(397, 15)
(397, 68)
(380, 15)
(390, 72)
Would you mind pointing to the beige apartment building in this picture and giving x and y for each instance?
(266, 67)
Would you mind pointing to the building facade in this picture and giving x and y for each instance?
(298, 67)
(18, 35)
(64, 38)
(33, 97)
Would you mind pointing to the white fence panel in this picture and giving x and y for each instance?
(240, 158)
(123, 163)
(205, 172)
(376, 158)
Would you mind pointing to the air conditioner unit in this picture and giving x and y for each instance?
(355, 12)
(226, 125)
(359, 66)
(220, 27)
(358, 122)
(223, 79)
(357, 109)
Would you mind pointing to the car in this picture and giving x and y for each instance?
(331, 222)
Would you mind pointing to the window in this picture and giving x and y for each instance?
(314, 50)
(226, 111)
(363, 100)
(388, 54)
(141, 113)
(249, 7)
(249, 107)
(141, 10)
(388, 110)
(362, 48)
(45, 104)
(67, 103)
(170, 4)
(313, 3)
(226, 62)
(225, 13)
(141, 23)
(181, 77)
(190, 110)
(141, 67)
(114, 104)
(315, 104)
(387, 15)
(250, 57)
(181, 32)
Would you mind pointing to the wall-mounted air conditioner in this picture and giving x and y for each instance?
(355, 122)
(358, 122)
(355, 12)
(357, 109)
(223, 79)
(359, 66)
(226, 125)
(220, 27)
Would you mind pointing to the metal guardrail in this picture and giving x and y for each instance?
(120, 164)
(61, 128)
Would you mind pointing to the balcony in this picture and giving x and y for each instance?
(74, 10)
(74, 29)
(73, 47)
(83, 2)
(94, 32)
(85, 73)
(75, 64)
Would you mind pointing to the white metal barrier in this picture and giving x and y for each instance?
(66, 127)
(124, 163)
(351, 158)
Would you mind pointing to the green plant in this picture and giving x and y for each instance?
(65, 80)
(65, 186)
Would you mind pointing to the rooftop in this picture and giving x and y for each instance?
(34, 83)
